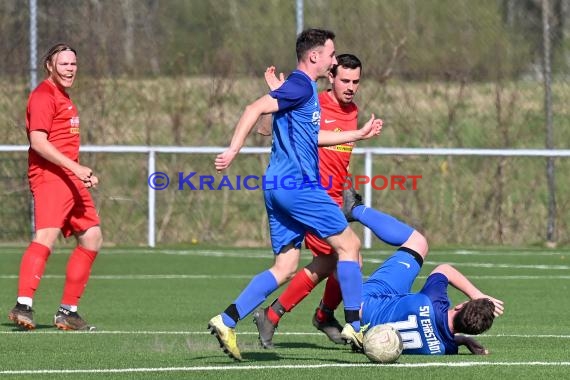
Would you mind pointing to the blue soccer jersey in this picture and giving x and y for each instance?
(294, 154)
(421, 318)
(294, 201)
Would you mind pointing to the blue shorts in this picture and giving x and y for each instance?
(395, 276)
(293, 212)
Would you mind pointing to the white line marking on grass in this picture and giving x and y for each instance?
(488, 265)
(500, 253)
(266, 253)
(115, 332)
(287, 366)
(261, 253)
(278, 333)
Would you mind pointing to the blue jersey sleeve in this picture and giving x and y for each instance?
(294, 92)
(435, 288)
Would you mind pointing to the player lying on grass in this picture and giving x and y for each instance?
(427, 322)
(338, 113)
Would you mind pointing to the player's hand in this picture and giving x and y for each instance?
(372, 128)
(472, 345)
(224, 160)
(271, 78)
(499, 306)
(82, 172)
(93, 181)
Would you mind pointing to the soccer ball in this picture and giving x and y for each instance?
(383, 344)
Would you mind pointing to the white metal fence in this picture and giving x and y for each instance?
(367, 153)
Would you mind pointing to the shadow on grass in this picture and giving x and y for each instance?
(18, 328)
(308, 345)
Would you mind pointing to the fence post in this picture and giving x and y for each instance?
(368, 195)
(151, 200)
(547, 73)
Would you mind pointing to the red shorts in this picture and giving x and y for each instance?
(65, 204)
(317, 246)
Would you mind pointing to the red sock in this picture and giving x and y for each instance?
(299, 287)
(77, 274)
(32, 269)
(332, 297)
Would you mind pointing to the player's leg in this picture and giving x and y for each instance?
(32, 268)
(387, 228)
(286, 238)
(83, 224)
(77, 275)
(323, 263)
(321, 216)
(324, 319)
(257, 291)
(300, 286)
(52, 202)
(349, 276)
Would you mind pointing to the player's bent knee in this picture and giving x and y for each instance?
(282, 273)
(418, 243)
(91, 239)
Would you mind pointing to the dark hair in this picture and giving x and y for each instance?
(348, 61)
(57, 48)
(311, 38)
(475, 317)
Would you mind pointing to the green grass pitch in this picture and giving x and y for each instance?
(152, 306)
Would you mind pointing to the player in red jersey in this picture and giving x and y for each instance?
(338, 113)
(59, 185)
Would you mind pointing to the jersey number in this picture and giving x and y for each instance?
(411, 339)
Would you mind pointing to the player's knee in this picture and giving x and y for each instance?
(283, 273)
(418, 243)
(322, 266)
(47, 237)
(92, 239)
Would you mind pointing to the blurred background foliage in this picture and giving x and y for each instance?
(441, 73)
(449, 39)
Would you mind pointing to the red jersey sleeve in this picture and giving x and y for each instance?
(41, 111)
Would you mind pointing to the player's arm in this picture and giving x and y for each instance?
(264, 105)
(472, 345)
(370, 129)
(273, 82)
(264, 125)
(462, 283)
(40, 144)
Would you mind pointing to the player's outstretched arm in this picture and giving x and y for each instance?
(462, 283)
(264, 105)
(372, 128)
(473, 345)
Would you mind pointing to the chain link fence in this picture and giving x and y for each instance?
(441, 73)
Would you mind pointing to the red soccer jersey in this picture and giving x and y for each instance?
(51, 110)
(334, 160)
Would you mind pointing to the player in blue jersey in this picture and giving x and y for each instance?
(294, 200)
(339, 112)
(427, 322)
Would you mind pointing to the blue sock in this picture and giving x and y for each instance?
(350, 280)
(387, 228)
(257, 291)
